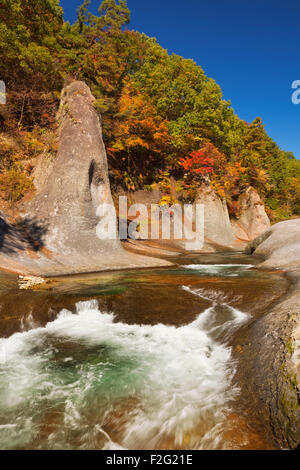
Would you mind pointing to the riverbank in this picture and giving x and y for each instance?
(270, 363)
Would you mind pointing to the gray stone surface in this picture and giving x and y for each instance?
(253, 219)
(276, 354)
(217, 226)
(274, 364)
(62, 218)
(279, 246)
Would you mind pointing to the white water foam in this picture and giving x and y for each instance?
(222, 319)
(84, 366)
(227, 270)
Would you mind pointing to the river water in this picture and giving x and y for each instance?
(133, 359)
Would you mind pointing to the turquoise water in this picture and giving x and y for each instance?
(130, 360)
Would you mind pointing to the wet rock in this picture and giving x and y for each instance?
(276, 354)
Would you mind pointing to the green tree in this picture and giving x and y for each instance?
(156, 108)
(28, 46)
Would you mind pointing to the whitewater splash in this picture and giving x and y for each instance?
(226, 270)
(85, 382)
(221, 320)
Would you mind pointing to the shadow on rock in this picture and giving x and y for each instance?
(24, 234)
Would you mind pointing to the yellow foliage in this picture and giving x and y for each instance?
(14, 184)
(34, 146)
(141, 125)
(168, 201)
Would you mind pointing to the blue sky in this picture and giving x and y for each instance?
(250, 47)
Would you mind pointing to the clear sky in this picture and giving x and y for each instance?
(250, 47)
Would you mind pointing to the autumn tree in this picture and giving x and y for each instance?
(161, 115)
(29, 56)
(140, 139)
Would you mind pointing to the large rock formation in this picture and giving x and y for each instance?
(253, 219)
(65, 208)
(217, 226)
(271, 353)
(279, 246)
(78, 182)
(276, 360)
(220, 232)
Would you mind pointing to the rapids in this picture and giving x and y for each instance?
(89, 379)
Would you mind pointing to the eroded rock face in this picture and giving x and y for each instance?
(253, 219)
(66, 205)
(217, 226)
(279, 246)
(78, 182)
(278, 358)
(274, 364)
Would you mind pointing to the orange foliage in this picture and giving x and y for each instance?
(141, 126)
(206, 161)
(197, 163)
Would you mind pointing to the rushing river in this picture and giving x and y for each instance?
(130, 360)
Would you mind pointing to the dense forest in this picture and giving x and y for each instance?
(162, 116)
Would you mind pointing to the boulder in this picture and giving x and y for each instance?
(64, 215)
(217, 226)
(253, 219)
(279, 246)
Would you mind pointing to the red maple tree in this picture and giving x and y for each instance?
(198, 162)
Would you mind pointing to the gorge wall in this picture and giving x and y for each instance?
(57, 231)
(252, 219)
(220, 232)
(276, 336)
(217, 226)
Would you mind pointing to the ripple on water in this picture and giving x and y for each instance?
(85, 381)
(226, 270)
(95, 379)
